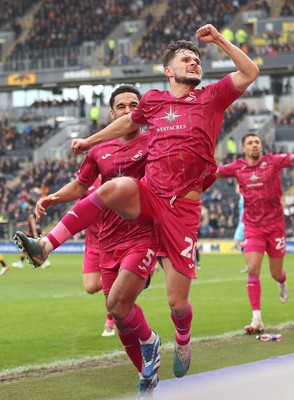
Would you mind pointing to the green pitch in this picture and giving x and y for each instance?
(47, 318)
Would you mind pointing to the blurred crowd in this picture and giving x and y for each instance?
(65, 25)
(30, 137)
(33, 183)
(61, 27)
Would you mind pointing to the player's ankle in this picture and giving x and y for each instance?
(47, 245)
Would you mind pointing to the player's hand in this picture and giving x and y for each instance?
(43, 204)
(208, 34)
(78, 146)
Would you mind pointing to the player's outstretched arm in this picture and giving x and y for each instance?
(69, 192)
(119, 127)
(247, 70)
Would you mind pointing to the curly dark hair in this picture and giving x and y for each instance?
(124, 89)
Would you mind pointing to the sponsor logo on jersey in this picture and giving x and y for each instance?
(170, 118)
(253, 179)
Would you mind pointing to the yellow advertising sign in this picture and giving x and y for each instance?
(22, 79)
(103, 72)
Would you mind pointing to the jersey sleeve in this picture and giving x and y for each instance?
(226, 171)
(224, 92)
(283, 160)
(139, 113)
(89, 170)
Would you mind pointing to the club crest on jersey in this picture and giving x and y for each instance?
(191, 97)
(254, 177)
(263, 164)
(137, 156)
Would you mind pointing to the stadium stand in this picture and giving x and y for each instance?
(60, 28)
(181, 20)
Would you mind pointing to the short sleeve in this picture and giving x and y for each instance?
(139, 113)
(89, 170)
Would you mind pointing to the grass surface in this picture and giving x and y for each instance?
(46, 317)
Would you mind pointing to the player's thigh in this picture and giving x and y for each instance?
(122, 195)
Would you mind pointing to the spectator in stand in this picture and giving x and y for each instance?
(228, 34)
(287, 118)
(241, 37)
(82, 107)
(111, 43)
(231, 147)
(94, 116)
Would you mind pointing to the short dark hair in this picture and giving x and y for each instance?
(247, 135)
(177, 46)
(123, 89)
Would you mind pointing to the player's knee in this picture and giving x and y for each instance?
(177, 305)
(116, 189)
(277, 275)
(117, 309)
(92, 288)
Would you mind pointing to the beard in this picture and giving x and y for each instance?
(192, 81)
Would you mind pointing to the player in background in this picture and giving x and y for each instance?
(33, 230)
(197, 258)
(91, 264)
(127, 251)
(20, 263)
(184, 124)
(4, 267)
(259, 178)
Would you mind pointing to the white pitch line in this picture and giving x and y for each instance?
(120, 353)
(200, 282)
(151, 287)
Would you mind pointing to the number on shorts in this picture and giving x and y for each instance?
(280, 243)
(190, 251)
(149, 256)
